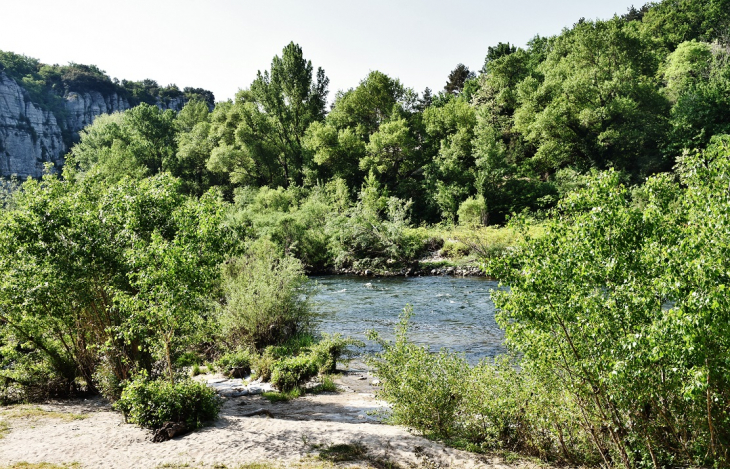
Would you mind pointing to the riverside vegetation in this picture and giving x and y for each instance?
(176, 239)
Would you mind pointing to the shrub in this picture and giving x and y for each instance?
(455, 249)
(264, 364)
(494, 405)
(473, 212)
(424, 389)
(266, 301)
(235, 364)
(292, 372)
(152, 403)
(331, 349)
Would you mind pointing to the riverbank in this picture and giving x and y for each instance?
(438, 267)
(322, 430)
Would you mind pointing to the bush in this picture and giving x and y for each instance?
(455, 249)
(235, 364)
(331, 349)
(425, 389)
(264, 364)
(152, 403)
(266, 301)
(290, 373)
(473, 212)
(495, 405)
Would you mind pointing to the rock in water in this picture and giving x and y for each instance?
(169, 430)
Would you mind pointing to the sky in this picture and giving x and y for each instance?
(219, 45)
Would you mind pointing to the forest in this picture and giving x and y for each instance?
(173, 239)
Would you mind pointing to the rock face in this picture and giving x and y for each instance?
(82, 108)
(31, 137)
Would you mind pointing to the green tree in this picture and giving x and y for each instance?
(271, 118)
(597, 105)
(103, 277)
(622, 301)
(457, 79)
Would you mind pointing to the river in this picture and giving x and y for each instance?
(451, 312)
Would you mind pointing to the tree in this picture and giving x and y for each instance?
(623, 301)
(101, 279)
(272, 117)
(339, 144)
(457, 78)
(598, 104)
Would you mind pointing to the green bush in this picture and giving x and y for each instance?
(424, 389)
(473, 212)
(290, 373)
(455, 249)
(331, 349)
(494, 405)
(264, 364)
(235, 364)
(152, 403)
(266, 301)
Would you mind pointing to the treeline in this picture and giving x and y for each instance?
(630, 93)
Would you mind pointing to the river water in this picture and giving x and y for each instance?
(451, 312)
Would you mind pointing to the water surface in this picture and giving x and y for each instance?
(451, 312)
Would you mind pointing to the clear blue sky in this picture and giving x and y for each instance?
(220, 44)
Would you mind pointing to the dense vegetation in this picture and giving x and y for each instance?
(176, 238)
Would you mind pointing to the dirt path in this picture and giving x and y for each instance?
(295, 431)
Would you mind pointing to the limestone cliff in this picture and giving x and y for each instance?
(30, 137)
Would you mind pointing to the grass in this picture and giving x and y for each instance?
(343, 452)
(33, 413)
(4, 429)
(326, 384)
(41, 465)
(283, 396)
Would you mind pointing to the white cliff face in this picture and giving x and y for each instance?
(82, 108)
(29, 136)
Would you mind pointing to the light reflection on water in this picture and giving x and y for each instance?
(450, 312)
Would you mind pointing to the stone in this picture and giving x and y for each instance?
(29, 136)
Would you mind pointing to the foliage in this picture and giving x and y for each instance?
(422, 388)
(454, 249)
(236, 364)
(621, 303)
(270, 119)
(292, 372)
(152, 403)
(457, 78)
(48, 85)
(265, 298)
(473, 212)
(491, 406)
(96, 275)
(331, 349)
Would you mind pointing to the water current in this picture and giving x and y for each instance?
(451, 312)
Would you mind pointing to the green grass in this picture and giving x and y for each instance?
(4, 429)
(326, 384)
(343, 452)
(283, 396)
(33, 413)
(41, 465)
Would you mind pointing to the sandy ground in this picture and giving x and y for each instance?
(297, 430)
